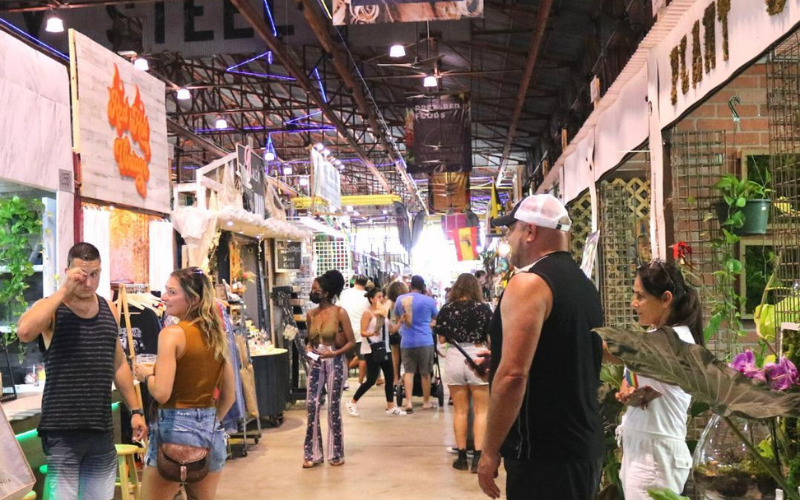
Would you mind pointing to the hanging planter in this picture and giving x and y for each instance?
(755, 216)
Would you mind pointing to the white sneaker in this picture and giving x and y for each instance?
(396, 411)
(352, 409)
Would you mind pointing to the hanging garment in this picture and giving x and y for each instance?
(161, 262)
(237, 411)
(96, 228)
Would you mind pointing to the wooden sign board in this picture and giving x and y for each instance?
(288, 256)
(119, 128)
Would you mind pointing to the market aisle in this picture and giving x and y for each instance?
(387, 458)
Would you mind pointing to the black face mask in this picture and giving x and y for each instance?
(315, 297)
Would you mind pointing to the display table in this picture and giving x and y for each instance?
(272, 383)
(24, 414)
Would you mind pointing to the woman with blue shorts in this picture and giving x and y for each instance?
(192, 363)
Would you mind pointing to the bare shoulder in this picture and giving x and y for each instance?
(526, 283)
(172, 330)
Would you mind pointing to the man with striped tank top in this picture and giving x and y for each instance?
(78, 332)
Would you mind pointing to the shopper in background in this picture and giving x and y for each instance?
(192, 364)
(416, 339)
(327, 368)
(78, 335)
(465, 320)
(395, 290)
(372, 330)
(544, 416)
(355, 303)
(654, 451)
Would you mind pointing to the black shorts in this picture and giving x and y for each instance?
(548, 480)
(394, 339)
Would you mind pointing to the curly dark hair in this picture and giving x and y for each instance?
(332, 283)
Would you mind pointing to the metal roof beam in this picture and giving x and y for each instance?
(536, 41)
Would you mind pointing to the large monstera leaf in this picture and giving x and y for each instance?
(663, 356)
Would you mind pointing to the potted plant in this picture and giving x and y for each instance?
(744, 208)
(20, 219)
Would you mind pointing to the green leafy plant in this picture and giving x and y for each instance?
(736, 192)
(665, 495)
(663, 356)
(20, 218)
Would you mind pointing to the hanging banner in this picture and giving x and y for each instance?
(403, 11)
(250, 175)
(448, 192)
(467, 243)
(325, 182)
(438, 136)
(119, 128)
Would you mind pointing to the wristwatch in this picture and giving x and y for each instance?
(137, 411)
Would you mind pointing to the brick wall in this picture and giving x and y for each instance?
(714, 114)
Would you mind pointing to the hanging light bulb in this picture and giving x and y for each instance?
(430, 81)
(141, 63)
(221, 123)
(304, 181)
(183, 95)
(54, 24)
(287, 170)
(397, 51)
(269, 156)
(349, 208)
(319, 146)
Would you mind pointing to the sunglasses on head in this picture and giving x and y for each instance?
(657, 264)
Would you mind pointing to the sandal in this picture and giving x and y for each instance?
(337, 462)
(409, 411)
(430, 406)
(310, 464)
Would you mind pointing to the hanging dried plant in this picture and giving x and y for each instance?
(673, 60)
(723, 8)
(775, 7)
(710, 36)
(697, 56)
(684, 71)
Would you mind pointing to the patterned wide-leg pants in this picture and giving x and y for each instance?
(328, 373)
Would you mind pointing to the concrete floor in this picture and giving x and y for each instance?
(403, 457)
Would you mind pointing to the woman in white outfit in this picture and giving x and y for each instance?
(654, 451)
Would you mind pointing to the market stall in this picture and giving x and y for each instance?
(228, 218)
(36, 195)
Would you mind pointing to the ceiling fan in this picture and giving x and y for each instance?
(418, 65)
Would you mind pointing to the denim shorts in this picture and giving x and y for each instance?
(192, 427)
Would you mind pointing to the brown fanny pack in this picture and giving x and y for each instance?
(181, 463)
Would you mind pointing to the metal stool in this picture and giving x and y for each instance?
(128, 482)
(46, 488)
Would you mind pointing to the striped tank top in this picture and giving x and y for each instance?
(80, 369)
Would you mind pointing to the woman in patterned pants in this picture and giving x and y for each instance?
(327, 368)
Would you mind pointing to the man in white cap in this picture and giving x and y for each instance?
(544, 417)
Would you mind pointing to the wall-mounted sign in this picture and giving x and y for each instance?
(288, 256)
(119, 128)
(250, 173)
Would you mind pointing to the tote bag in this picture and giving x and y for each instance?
(16, 477)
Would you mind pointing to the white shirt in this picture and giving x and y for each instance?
(666, 415)
(355, 304)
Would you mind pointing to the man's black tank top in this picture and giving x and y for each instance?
(80, 369)
(560, 414)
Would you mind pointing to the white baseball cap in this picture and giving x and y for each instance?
(543, 210)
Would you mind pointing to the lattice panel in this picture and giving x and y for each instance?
(783, 101)
(698, 161)
(580, 211)
(333, 254)
(624, 240)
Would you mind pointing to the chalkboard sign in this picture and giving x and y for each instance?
(287, 256)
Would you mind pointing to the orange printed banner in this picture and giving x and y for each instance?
(467, 243)
(130, 118)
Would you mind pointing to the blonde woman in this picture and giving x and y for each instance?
(192, 363)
